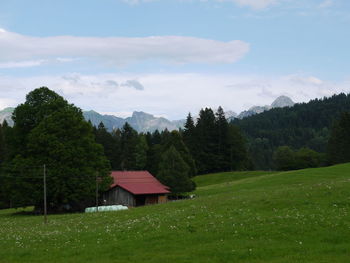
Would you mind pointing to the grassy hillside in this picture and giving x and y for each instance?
(226, 177)
(299, 216)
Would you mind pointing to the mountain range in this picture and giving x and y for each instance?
(145, 122)
(280, 102)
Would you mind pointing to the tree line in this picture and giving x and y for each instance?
(208, 144)
(306, 127)
(48, 130)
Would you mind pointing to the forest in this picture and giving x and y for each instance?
(305, 127)
(49, 131)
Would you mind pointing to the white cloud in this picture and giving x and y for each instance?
(22, 64)
(117, 50)
(255, 4)
(306, 80)
(326, 4)
(172, 95)
(4, 103)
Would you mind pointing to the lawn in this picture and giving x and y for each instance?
(298, 216)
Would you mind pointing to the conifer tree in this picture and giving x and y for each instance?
(175, 139)
(141, 153)
(106, 139)
(189, 135)
(173, 172)
(339, 142)
(222, 160)
(129, 140)
(206, 141)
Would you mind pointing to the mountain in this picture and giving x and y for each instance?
(6, 114)
(145, 122)
(111, 122)
(140, 121)
(230, 114)
(280, 102)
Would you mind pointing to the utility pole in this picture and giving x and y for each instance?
(45, 201)
(96, 191)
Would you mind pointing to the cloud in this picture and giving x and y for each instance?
(133, 84)
(111, 83)
(22, 64)
(30, 51)
(171, 94)
(326, 4)
(306, 80)
(134, 2)
(255, 4)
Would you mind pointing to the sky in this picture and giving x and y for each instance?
(171, 57)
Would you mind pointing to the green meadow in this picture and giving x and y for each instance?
(295, 216)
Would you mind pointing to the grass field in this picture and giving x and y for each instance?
(299, 216)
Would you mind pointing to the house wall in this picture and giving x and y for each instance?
(119, 196)
(162, 199)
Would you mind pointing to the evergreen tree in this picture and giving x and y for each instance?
(303, 125)
(106, 139)
(154, 151)
(238, 154)
(174, 139)
(117, 149)
(206, 142)
(174, 172)
(223, 147)
(141, 153)
(189, 134)
(129, 141)
(339, 142)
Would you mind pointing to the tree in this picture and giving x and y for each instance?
(339, 142)
(173, 172)
(260, 151)
(5, 135)
(154, 152)
(223, 147)
(55, 133)
(307, 158)
(284, 158)
(238, 154)
(206, 141)
(174, 138)
(109, 143)
(141, 153)
(189, 136)
(40, 103)
(129, 140)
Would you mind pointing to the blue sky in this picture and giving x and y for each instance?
(118, 56)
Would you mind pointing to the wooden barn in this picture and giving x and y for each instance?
(135, 188)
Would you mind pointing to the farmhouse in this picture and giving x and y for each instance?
(135, 188)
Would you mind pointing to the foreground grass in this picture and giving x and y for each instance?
(300, 216)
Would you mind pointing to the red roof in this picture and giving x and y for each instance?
(138, 182)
